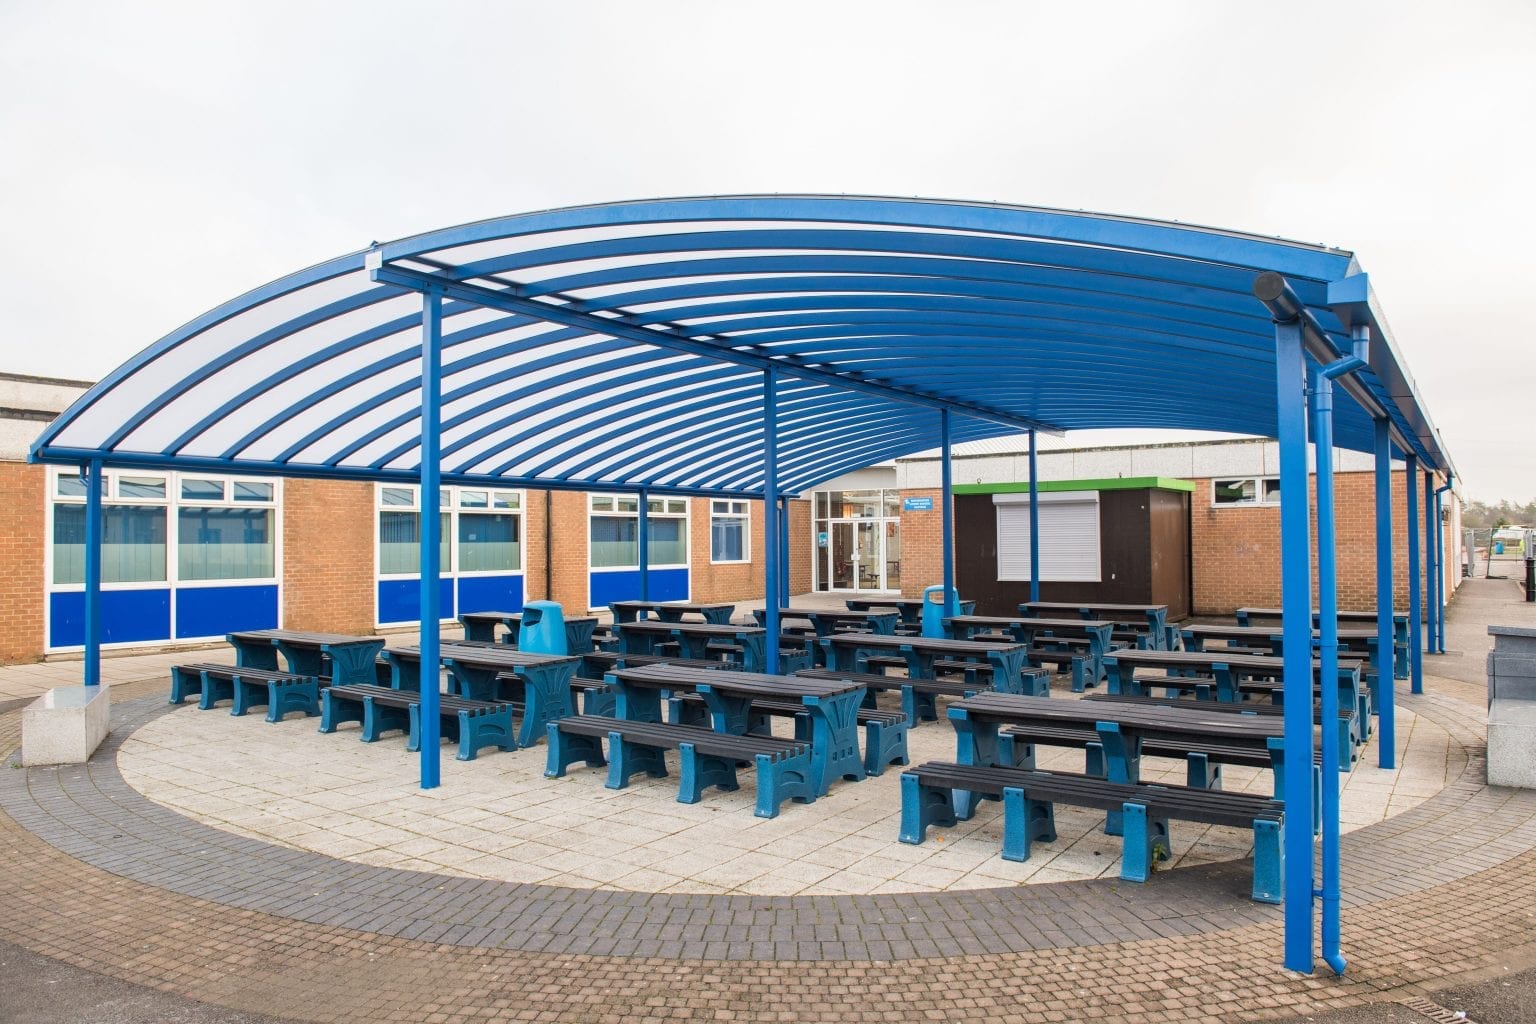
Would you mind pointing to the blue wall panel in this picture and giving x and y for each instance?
(127, 616)
(490, 594)
(400, 600)
(624, 585)
(215, 611)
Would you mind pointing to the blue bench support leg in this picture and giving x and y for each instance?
(626, 760)
(1024, 821)
(215, 689)
(1145, 842)
(922, 806)
(334, 711)
(789, 778)
(698, 771)
(485, 729)
(1079, 675)
(184, 684)
(600, 703)
(566, 748)
(884, 743)
(378, 719)
(1200, 773)
(1268, 861)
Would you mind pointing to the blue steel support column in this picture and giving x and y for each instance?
(643, 542)
(1431, 613)
(1296, 606)
(947, 515)
(95, 481)
(1415, 603)
(431, 531)
(1386, 602)
(1034, 522)
(772, 598)
(1440, 565)
(784, 548)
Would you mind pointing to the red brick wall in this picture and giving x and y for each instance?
(922, 549)
(328, 556)
(802, 547)
(22, 497)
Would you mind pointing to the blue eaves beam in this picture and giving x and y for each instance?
(508, 301)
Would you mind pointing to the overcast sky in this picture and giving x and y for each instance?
(157, 159)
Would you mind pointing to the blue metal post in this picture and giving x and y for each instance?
(94, 482)
(1296, 604)
(1431, 568)
(771, 515)
(643, 528)
(783, 547)
(1415, 602)
(947, 515)
(1440, 565)
(431, 533)
(1034, 521)
(1386, 603)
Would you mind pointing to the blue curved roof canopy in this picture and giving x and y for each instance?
(622, 346)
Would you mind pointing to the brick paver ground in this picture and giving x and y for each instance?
(104, 879)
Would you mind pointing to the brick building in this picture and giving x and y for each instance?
(190, 556)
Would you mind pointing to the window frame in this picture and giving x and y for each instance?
(677, 509)
(744, 517)
(451, 506)
(1266, 496)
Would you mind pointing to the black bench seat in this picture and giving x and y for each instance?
(706, 758)
(917, 695)
(246, 688)
(1028, 797)
(380, 709)
(885, 732)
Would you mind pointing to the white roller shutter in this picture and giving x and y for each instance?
(1069, 536)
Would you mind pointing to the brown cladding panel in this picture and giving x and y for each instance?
(1131, 573)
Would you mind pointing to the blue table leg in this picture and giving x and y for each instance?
(728, 713)
(255, 654)
(754, 651)
(975, 743)
(835, 738)
(634, 703)
(547, 694)
(718, 617)
(404, 671)
(1008, 669)
(1122, 763)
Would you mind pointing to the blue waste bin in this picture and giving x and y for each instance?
(543, 628)
(936, 610)
(1498, 547)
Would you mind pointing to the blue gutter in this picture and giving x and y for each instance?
(95, 481)
(1415, 600)
(643, 528)
(771, 516)
(1431, 566)
(431, 532)
(1328, 644)
(783, 546)
(947, 515)
(1386, 602)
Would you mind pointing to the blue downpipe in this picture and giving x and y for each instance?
(784, 548)
(1296, 607)
(1034, 521)
(431, 531)
(643, 528)
(1328, 644)
(947, 515)
(771, 516)
(1415, 596)
(95, 481)
(1386, 602)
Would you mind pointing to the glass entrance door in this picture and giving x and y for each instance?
(857, 547)
(855, 556)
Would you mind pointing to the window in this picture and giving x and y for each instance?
(1069, 537)
(615, 531)
(729, 526)
(220, 529)
(1264, 490)
(481, 531)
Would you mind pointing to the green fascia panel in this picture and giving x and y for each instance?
(1132, 483)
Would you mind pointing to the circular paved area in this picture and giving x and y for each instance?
(117, 883)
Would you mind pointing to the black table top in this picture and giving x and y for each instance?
(755, 683)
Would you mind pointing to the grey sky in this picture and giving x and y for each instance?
(157, 159)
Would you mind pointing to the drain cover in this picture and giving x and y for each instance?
(1436, 1012)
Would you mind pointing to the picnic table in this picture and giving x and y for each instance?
(1354, 641)
(671, 611)
(351, 658)
(832, 705)
(1120, 729)
(1146, 620)
(1091, 636)
(477, 671)
(694, 638)
(847, 652)
(909, 608)
(1245, 617)
(481, 627)
(826, 621)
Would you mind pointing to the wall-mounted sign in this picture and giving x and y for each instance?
(917, 504)
(821, 539)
